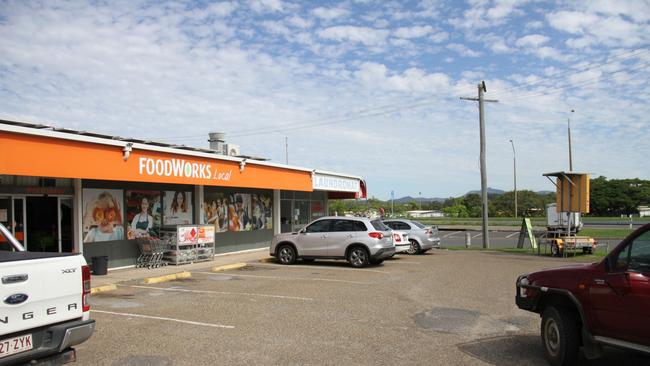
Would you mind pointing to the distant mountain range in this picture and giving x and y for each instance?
(490, 191)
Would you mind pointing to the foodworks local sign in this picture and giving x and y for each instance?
(181, 168)
(334, 183)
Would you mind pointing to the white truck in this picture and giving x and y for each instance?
(44, 308)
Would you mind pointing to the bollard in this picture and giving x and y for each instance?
(468, 239)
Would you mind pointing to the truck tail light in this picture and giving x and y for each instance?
(85, 286)
(376, 235)
(396, 237)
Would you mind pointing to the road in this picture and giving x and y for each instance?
(441, 308)
(498, 239)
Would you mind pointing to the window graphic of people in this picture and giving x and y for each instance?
(142, 221)
(179, 213)
(107, 216)
(242, 213)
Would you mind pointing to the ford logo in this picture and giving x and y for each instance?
(16, 299)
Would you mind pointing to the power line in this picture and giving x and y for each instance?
(580, 84)
(613, 59)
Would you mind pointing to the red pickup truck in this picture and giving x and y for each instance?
(591, 305)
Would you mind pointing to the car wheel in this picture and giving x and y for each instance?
(286, 254)
(358, 257)
(414, 248)
(560, 336)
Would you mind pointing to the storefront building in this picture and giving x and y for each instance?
(69, 191)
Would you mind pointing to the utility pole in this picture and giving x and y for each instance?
(481, 100)
(569, 130)
(286, 149)
(514, 172)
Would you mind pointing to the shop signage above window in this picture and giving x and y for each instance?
(40, 156)
(334, 183)
(182, 168)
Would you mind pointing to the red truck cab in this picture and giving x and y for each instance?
(591, 305)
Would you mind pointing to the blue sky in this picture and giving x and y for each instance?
(364, 87)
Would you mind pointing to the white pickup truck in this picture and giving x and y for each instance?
(44, 308)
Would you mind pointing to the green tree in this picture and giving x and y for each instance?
(618, 196)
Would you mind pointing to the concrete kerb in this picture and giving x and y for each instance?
(114, 277)
(167, 278)
(229, 267)
(104, 288)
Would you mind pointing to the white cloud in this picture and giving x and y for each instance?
(330, 13)
(376, 76)
(299, 22)
(463, 50)
(223, 9)
(481, 15)
(611, 30)
(276, 27)
(367, 36)
(413, 32)
(532, 40)
(439, 37)
(572, 21)
(260, 6)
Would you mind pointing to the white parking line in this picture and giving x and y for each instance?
(287, 278)
(402, 262)
(167, 319)
(321, 267)
(448, 235)
(511, 235)
(477, 235)
(220, 292)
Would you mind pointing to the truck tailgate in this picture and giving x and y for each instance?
(39, 291)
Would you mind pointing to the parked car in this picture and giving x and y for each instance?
(45, 309)
(421, 237)
(401, 241)
(359, 240)
(591, 305)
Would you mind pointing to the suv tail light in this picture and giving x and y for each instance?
(376, 235)
(396, 237)
(85, 286)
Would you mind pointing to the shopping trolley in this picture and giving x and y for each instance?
(152, 251)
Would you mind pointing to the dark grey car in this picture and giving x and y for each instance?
(422, 237)
(359, 240)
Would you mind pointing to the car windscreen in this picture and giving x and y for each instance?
(378, 225)
(418, 224)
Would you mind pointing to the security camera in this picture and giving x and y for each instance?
(126, 150)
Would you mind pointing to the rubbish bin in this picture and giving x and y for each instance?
(100, 265)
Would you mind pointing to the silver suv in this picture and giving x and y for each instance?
(422, 237)
(359, 240)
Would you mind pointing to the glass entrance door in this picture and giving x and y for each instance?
(42, 224)
(286, 207)
(65, 239)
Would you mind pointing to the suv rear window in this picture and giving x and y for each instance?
(348, 225)
(378, 225)
(418, 224)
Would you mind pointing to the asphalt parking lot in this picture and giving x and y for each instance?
(441, 308)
